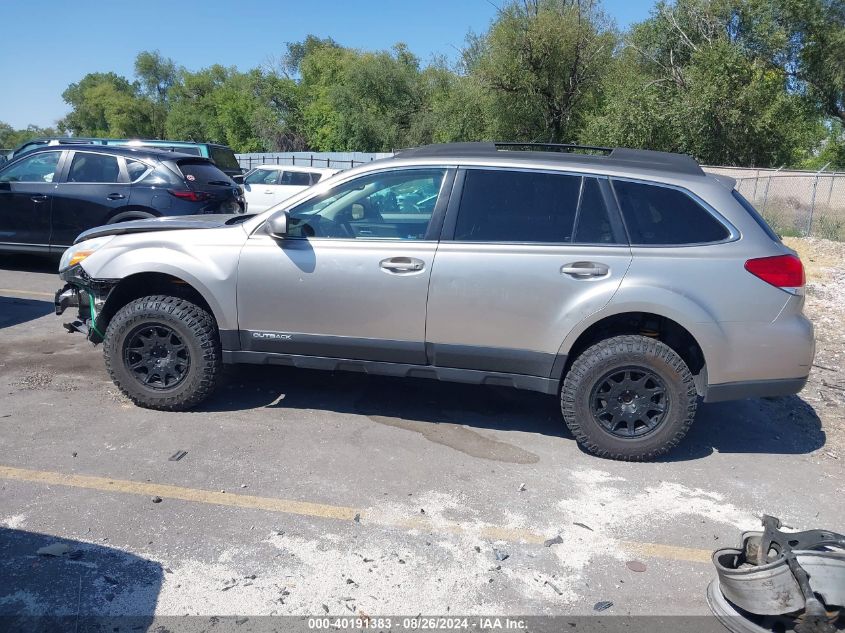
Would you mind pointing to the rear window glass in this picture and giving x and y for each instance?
(656, 215)
(224, 157)
(516, 206)
(203, 173)
(756, 215)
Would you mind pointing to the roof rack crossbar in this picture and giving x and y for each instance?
(556, 147)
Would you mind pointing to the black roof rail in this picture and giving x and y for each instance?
(618, 156)
(554, 147)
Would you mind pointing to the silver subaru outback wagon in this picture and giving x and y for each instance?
(628, 283)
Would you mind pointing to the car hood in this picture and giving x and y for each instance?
(171, 223)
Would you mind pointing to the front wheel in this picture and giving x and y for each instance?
(163, 352)
(629, 397)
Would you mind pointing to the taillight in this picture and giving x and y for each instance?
(783, 271)
(187, 194)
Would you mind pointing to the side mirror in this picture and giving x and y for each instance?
(277, 225)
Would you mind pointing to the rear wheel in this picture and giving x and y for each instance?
(163, 352)
(629, 397)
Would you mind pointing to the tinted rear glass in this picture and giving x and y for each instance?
(224, 158)
(515, 206)
(203, 174)
(656, 215)
(756, 215)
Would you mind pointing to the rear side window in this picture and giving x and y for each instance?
(295, 179)
(93, 168)
(514, 206)
(224, 158)
(656, 216)
(592, 225)
(756, 215)
(203, 173)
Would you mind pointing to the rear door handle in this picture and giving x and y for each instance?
(39, 197)
(115, 196)
(584, 270)
(402, 264)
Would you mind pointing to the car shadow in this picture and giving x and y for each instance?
(84, 587)
(776, 426)
(30, 263)
(14, 311)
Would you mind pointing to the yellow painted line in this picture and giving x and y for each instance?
(32, 293)
(325, 511)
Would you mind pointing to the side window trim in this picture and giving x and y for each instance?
(733, 233)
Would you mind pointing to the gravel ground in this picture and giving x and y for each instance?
(824, 261)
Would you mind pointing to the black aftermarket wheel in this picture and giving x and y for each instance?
(163, 352)
(629, 397)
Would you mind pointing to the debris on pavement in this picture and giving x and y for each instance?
(635, 565)
(602, 605)
(557, 540)
(177, 456)
(554, 587)
(500, 554)
(56, 549)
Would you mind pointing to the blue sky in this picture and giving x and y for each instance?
(56, 42)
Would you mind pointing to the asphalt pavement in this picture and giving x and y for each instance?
(316, 493)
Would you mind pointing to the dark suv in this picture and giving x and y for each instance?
(50, 195)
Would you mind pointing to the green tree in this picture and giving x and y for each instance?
(106, 104)
(542, 62)
(157, 76)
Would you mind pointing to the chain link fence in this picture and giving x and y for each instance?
(798, 203)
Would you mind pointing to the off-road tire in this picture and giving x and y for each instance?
(620, 352)
(193, 324)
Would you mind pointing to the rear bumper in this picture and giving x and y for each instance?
(754, 389)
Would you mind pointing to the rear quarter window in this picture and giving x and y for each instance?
(756, 215)
(663, 216)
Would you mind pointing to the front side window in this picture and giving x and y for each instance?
(662, 216)
(38, 168)
(93, 168)
(517, 206)
(388, 205)
(262, 177)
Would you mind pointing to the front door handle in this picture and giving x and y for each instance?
(115, 196)
(39, 197)
(402, 265)
(585, 270)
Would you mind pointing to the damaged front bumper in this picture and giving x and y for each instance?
(88, 296)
